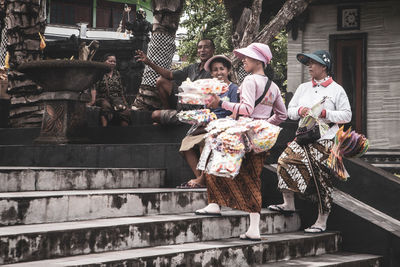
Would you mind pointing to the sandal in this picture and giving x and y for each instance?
(280, 209)
(314, 230)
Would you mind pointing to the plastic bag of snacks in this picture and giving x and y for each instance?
(198, 116)
(347, 144)
(224, 164)
(227, 153)
(262, 135)
(205, 154)
(198, 92)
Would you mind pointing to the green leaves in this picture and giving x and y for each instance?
(204, 18)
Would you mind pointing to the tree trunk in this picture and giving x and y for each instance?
(161, 50)
(246, 30)
(291, 9)
(24, 20)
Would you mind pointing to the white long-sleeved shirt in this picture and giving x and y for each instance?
(337, 104)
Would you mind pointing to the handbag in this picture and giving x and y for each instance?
(305, 135)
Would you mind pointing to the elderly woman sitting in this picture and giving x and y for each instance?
(108, 94)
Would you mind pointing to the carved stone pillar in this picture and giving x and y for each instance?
(64, 118)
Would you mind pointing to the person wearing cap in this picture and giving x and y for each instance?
(169, 81)
(219, 66)
(244, 192)
(302, 168)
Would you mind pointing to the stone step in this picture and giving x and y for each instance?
(146, 155)
(339, 259)
(44, 241)
(225, 252)
(19, 179)
(61, 206)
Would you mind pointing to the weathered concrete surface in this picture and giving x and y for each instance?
(61, 206)
(43, 241)
(149, 155)
(19, 179)
(338, 259)
(225, 252)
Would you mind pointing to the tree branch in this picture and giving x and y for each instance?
(252, 26)
(289, 10)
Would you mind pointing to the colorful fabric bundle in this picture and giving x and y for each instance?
(347, 144)
(199, 116)
(198, 92)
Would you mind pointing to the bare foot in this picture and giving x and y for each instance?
(198, 181)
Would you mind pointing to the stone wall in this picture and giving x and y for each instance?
(380, 20)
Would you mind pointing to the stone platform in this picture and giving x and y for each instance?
(111, 203)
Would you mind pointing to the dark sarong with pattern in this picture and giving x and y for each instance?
(296, 166)
(244, 191)
(111, 92)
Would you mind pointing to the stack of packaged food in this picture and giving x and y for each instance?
(198, 116)
(197, 92)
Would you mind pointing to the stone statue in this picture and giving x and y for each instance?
(86, 52)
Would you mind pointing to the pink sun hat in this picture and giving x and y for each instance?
(257, 51)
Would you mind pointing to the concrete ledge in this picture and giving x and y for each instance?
(373, 186)
(226, 252)
(44, 241)
(150, 155)
(339, 259)
(62, 206)
(41, 179)
(134, 134)
(365, 229)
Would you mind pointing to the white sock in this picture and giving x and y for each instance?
(211, 208)
(254, 228)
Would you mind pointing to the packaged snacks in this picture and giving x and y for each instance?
(224, 164)
(198, 91)
(199, 116)
(230, 139)
(262, 135)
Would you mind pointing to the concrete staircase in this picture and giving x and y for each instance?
(124, 217)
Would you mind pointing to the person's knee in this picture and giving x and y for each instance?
(164, 85)
(156, 116)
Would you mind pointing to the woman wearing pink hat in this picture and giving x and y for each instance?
(258, 98)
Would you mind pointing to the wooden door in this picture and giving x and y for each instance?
(349, 71)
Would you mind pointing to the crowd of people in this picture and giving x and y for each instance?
(301, 167)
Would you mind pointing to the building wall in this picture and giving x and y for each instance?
(381, 20)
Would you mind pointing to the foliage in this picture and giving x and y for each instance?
(205, 18)
(279, 59)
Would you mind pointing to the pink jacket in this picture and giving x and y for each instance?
(250, 90)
